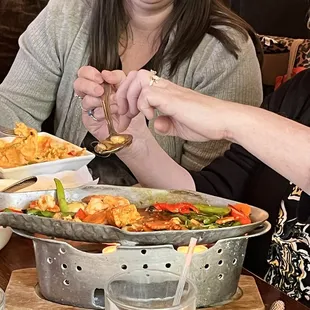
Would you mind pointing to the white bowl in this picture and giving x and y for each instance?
(49, 167)
(5, 235)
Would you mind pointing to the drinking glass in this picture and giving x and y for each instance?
(147, 289)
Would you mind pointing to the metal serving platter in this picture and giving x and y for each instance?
(141, 197)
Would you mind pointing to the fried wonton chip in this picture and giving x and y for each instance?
(29, 148)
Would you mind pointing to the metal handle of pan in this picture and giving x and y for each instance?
(260, 230)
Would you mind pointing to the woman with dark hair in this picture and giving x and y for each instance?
(197, 44)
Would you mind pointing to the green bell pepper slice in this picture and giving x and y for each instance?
(221, 211)
(60, 192)
(40, 213)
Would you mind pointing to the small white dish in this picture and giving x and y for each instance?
(5, 236)
(49, 167)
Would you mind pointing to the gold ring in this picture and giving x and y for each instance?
(154, 78)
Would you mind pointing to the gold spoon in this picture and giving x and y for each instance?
(115, 141)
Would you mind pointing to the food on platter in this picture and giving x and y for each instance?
(120, 212)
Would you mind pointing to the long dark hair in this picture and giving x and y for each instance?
(192, 18)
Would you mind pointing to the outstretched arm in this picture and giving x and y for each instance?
(283, 143)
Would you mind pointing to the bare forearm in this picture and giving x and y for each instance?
(154, 168)
(280, 143)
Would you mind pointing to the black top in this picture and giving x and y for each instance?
(238, 175)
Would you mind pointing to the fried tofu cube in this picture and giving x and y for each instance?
(122, 216)
(97, 218)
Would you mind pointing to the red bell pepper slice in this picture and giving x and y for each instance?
(240, 216)
(80, 214)
(183, 207)
(244, 208)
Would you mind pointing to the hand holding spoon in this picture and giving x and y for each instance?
(115, 141)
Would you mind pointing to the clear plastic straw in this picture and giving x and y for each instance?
(183, 277)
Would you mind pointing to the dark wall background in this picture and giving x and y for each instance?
(15, 16)
(274, 17)
(271, 17)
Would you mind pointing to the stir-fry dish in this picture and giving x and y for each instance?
(119, 212)
(29, 148)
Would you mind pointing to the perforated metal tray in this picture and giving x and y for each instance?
(141, 197)
(64, 270)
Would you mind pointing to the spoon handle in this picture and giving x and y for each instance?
(107, 109)
(21, 184)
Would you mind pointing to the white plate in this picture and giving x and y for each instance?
(5, 235)
(49, 167)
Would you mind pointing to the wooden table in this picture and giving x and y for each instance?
(19, 254)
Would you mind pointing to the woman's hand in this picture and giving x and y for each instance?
(89, 86)
(143, 155)
(185, 113)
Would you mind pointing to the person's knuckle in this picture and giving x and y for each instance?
(146, 92)
(88, 68)
(132, 74)
(142, 74)
(86, 98)
(82, 71)
(118, 73)
(88, 102)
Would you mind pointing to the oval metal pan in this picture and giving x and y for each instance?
(141, 197)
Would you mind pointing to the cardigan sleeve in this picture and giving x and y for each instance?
(29, 91)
